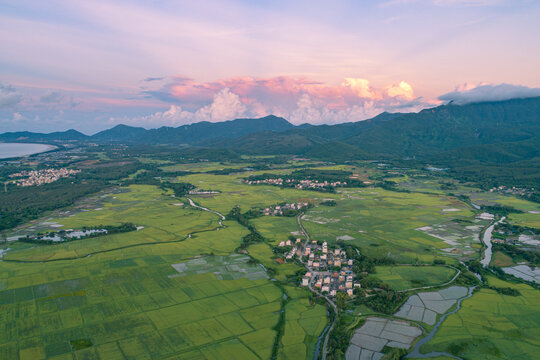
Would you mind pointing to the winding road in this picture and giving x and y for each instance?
(329, 328)
(192, 203)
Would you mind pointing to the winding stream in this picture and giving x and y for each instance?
(487, 241)
(488, 253)
(415, 353)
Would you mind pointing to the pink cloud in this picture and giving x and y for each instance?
(297, 98)
(283, 91)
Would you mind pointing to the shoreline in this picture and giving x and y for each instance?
(48, 148)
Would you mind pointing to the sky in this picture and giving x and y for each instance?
(90, 65)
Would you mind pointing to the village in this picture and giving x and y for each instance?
(520, 191)
(299, 184)
(329, 270)
(287, 209)
(40, 177)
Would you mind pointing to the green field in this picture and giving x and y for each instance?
(408, 277)
(304, 324)
(526, 219)
(492, 326)
(177, 289)
(129, 302)
(384, 223)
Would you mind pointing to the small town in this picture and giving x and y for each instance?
(329, 270)
(284, 209)
(40, 177)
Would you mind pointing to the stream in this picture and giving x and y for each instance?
(415, 353)
(487, 241)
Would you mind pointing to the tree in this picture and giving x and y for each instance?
(341, 300)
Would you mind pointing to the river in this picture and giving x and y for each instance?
(487, 241)
(415, 353)
(14, 150)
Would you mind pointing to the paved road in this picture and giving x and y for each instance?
(310, 285)
(206, 209)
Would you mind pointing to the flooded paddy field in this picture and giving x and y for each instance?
(426, 306)
(377, 333)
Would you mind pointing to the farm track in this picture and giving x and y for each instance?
(188, 236)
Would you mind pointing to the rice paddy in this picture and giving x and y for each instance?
(408, 277)
(492, 326)
(175, 288)
(385, 223)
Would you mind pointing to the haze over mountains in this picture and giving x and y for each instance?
(503, 131)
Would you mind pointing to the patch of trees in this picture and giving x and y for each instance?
(180, 189)
(384, 301)
(329, 203)
(504, 290)
(391, 186)
(500, 210)
(254, 236)
(516, 229)
(111, 229)
(339, 338)
(517, 254)
(22, 204)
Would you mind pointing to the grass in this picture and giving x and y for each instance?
(500, 259)
(305, 322)
(127, 300)
(384, 223)
(492, 326)
(122, 303)
(408, 277)
(525, 219)
(262, 253)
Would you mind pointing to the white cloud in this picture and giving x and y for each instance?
(309, 112)
(468, 93)
(9, 97)
(225, 106)
(51, 97)
(17, 116)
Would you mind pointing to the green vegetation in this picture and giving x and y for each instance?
(384, 223)
(407, 277)
(173, 281)
(491, 325)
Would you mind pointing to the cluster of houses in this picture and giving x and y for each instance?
(330, 270)
(315, 184)
(279, 210)
(40, 177)
(278, 182)
(296, 248)
(513, 190)
(299, 184)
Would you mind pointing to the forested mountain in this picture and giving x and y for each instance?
(27, 136)
(504, 131)
(509, 126)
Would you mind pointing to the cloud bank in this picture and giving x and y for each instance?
(9, 97)
(469, 93)
(299, 99)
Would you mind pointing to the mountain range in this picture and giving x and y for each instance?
(503, 131)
